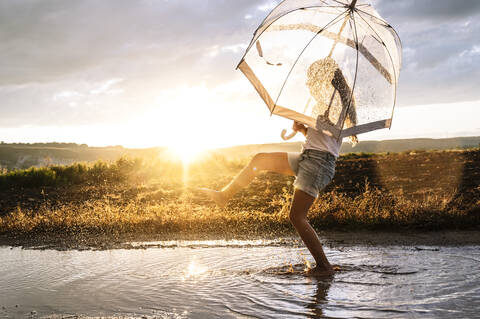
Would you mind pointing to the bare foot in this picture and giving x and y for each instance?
(320, 272)
(216, 196)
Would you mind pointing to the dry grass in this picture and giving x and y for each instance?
(134, 198)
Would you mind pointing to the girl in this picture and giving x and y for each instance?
(314, 167)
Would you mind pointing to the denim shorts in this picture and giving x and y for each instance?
(314, 170)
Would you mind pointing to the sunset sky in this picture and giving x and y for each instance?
(162, 72)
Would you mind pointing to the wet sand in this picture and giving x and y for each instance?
(332, 239)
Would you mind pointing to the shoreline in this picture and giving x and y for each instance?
(331, 239)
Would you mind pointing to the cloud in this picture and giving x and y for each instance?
(437, 36)
(431, 10)
(267, 6)
(47, 40)
(92, 61)
(106, 87)
(56, 54)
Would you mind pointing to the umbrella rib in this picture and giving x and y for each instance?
(265, 20)
(391, 61)
(300, 55)
(382, 42)
(286, 13)
(384, 22)
(369, 56)
(377, 38)
(343, 4)
(348, 4)
(372, 16)
(355, 35)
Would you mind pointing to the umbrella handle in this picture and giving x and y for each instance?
(286, 137)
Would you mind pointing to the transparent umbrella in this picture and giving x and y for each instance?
(332, 65)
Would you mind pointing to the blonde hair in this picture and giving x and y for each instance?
(323, 78)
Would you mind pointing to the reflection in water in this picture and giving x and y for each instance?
(240, 280)
(194, 270)
(319, 299)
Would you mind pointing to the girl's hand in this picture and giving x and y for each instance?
(354, 140)
(299, 127)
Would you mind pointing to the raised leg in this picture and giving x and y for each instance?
(273, 162)
(298, 216)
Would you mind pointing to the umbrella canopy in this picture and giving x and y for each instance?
(330, 64)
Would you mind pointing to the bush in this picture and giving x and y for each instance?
(77, 173)
(32, 177)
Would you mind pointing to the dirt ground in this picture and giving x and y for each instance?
(414, 174)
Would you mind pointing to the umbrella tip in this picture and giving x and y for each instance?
(352, 4)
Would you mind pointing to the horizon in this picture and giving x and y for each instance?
(238, 145)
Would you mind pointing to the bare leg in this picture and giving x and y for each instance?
(273, 162)
(298, 216)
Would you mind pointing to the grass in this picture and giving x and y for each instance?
(133, 197)
(122, 170)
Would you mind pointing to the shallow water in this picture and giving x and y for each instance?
(249, 279)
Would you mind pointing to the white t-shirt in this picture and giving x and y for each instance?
(317, 140)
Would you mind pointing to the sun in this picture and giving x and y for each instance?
(188, 121)
(186, 153)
